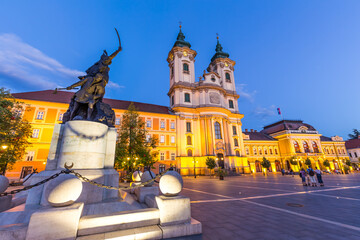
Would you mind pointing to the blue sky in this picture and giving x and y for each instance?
(302, 56)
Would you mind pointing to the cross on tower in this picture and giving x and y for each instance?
(217, 36)
(180, 24)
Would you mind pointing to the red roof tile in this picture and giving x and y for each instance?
(352, 143)
(65, 97)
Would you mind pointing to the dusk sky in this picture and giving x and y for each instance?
(302, 56)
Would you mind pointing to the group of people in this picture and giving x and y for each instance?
(308, 177)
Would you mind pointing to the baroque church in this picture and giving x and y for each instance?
(203, 120)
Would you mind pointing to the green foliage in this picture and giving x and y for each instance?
(355, 134)
(221, 172)
(348, 162)
(133, 150)
(308, 162)
(346, 169)
(326, 163)
(14, 131)
(210, 163)
(265, 163)
(293, 160)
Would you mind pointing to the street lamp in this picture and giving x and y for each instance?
(4, 147)
(195, 162)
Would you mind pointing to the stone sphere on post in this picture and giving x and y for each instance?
(136, 176)
(63, 190)
(171, 183)
(146, 176)
(4, 183)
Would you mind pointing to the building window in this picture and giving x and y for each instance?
(276, 152)
(332, 151)
(172, 139)
(40, 115)
(254, 150)
(117, 121)
(188, 140)
(296, 146)
(172, 156)
(187, 97)
(350, 154)
(247, 151)
(61, 115)
(162, 156)
(260, 151)
(265, 151)
(162, 138)
(188, 126)
(162, 124)
(172, 72)
(148, 123)
(217, 130)
(231, 104)
(234, 130)
(213, 79)
(172, 100)
(343, 151)
(186, 68)
(315, 147)
(161, 168)
(355, 153)
(237, 153)
(30, 155)
(306, 147)
(271, 151)
(148, 137)
(236, 143)
(35, 133)
(189, 152)
(227, 77)
(172, 125)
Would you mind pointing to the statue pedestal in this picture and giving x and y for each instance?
(90, 148)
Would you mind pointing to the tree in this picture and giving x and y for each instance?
(14, 131)
(293, 160)
(326, 163)
(348, 162)
(308, 162)
(265, 163)
(355, 134)
(210, 163)
(134, 149)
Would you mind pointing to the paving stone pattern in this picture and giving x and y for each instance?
(256, 207)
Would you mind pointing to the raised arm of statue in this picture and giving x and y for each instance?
(77, 84)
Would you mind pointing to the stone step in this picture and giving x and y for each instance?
(94, 224)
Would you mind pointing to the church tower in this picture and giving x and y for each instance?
(181, 59)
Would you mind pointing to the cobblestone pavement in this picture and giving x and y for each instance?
(275, 207)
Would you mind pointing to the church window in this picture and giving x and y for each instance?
(236, 143)
(306, 147)
(162, 138)
(234, 130)
(187, 97)
(217, 130)
(162, 156)
(172, 139)
(231, 104)
(162, 124)
(40, 115)
(237, 153)
(213, 79)
(188, 126)
(172, 156)
(148, 123)
(35, 133)
(186, 68)
(172, 125)
(227, 77)
(188, 140)
(296, 146)
(189, 153)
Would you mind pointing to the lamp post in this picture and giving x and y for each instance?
(195, 162)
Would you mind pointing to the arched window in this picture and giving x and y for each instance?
(260, 151)
(332, 151)
(227, 77)
(343, 151)
(231, 104)
(187, 97)
(236, 143)
(189, 153)
(254, 150)
(265, 151)
(213, 78)
(188, 140)
(306, 147)
(276, 152)
(315, 147)
(237, 153)
(271, 151)
(296, 146)
(247, 151)
(186, 68)
(217, 130)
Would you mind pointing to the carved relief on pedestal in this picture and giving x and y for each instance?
(214, 98)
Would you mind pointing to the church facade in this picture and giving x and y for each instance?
(203, 120)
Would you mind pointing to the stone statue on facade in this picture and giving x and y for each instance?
(86, 103)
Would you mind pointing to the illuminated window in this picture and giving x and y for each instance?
(315, 147)
(35, 133)
(162, 156)
(296, 146)
(148, 137)
(237, 153)
(30, 155)
(254, 150)
(172, 125)
(188, 140)
(276, 152)
(161, 168)
(172, 156)
(271, 151)
(187, 97)
(217, 130)
(332, 151)
(117, 121)
(188, 126)
(343, 151)
(189, 153)
(162, 138)
(186, 68)
(265, 151)
(172, 139)
(227, 77)
(260, 151)
(61, 115)
(236, 143)
(40, 115)
(306, 147)
(148, 123)
(247, 151)
(231, 104)
(162, 124)
(234, 130)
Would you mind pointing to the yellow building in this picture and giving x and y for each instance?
(203, 121)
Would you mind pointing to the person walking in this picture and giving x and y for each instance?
(283, 171)
(311, 176)
(303, 176)
(319, 177)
